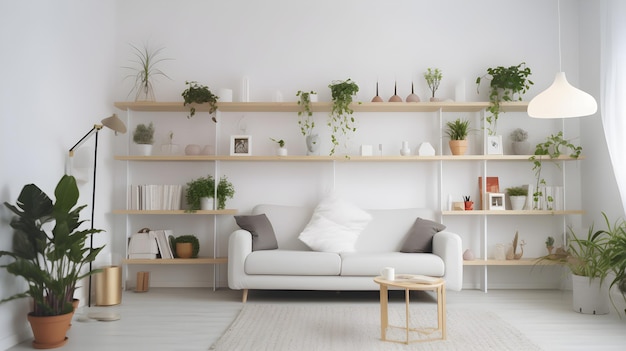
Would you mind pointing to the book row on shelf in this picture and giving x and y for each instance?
(155, 197)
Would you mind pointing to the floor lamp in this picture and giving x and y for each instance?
(116, 124)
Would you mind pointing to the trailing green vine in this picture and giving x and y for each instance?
(305, 122)
(341, 121)
(553, 148)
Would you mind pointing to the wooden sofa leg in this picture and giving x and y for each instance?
(245, 295)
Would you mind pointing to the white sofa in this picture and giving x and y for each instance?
(294, 266)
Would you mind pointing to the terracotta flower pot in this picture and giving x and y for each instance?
(458, 147)
(184, 250)
(50, 331)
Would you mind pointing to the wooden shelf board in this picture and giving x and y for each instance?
(176, 212)
(199, 260)
(303, 158)
(521, 262)
(177, 106)
(511, 212)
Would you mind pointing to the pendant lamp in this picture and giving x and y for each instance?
(561, 99)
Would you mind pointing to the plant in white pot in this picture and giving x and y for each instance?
(200, 193)
(143, 136)
(517, 195)
(520, 144)
(282, 150)
(306, 122)
(50, 254)
(589, 263)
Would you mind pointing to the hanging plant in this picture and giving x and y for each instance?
(341, 121)
(199, 94)
(507, 84)
(305, 122)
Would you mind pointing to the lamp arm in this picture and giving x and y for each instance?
(96, 127)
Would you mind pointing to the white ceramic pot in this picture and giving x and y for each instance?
(206, 203)
(312, 144)
(281, 151)
(589, 296)
(143, 149)
(521, 147)
(518, 202)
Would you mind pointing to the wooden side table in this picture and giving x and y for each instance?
(412, 282)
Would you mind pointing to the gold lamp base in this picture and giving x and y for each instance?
(109, 286)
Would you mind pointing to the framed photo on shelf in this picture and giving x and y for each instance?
(240, 145)
(496, 201)
(494, 145)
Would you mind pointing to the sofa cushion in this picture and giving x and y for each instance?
(420, 237)
(289, 262)
(371, 263)
(263, 237)
(335, 226)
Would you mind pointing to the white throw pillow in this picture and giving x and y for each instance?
(335, 226)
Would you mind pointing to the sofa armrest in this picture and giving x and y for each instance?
(239, 247)
(448, 246)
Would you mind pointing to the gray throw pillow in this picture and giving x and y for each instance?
(420, 238)
(263, 236)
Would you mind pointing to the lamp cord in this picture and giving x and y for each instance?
(558, 12)
(93, 205)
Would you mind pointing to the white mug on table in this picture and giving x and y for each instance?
(388, 273)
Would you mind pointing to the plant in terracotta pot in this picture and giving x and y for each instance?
(457, 131)
(198, 94)
(521, 146)
(517, 195)
(200, 192)
(506, 84)
(433, 79)
(187, 246)
(341, 121)
(225, 190)
(145, 72)
(49, 253)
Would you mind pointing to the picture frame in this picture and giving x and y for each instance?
(496, 201)
(240, 145)
(494, 145)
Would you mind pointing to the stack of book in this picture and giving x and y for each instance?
(151, 245)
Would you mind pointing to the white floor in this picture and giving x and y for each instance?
(171, 319)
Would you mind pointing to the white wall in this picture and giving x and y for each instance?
(62, 69)
(56, 67)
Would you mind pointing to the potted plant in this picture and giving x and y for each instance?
(199, 94)
(145, 72)
(225, 190)
(550, 244)
(306, 122)
(506, 84)
(143, 136)
(589, 263)
(517, 195)
(521, 146)
(49, 253)
(200, 192)
(433, 78)
(616, 253)
(341, 121)
(187, 246)
(282, 150)
(551, 149)
(457, 131)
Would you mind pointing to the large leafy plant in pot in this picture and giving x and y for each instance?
(49, 250)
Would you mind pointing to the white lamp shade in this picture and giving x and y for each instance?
(562, 100)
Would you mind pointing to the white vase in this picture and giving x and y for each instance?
(143, 149)
(589, 296)
(206, 203)
(405, 151)
(281, 151)
(312, 144)
(517, 202)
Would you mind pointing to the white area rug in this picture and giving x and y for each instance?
(303, 328)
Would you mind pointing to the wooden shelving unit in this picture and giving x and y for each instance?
(159, 261)
(521, 262)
